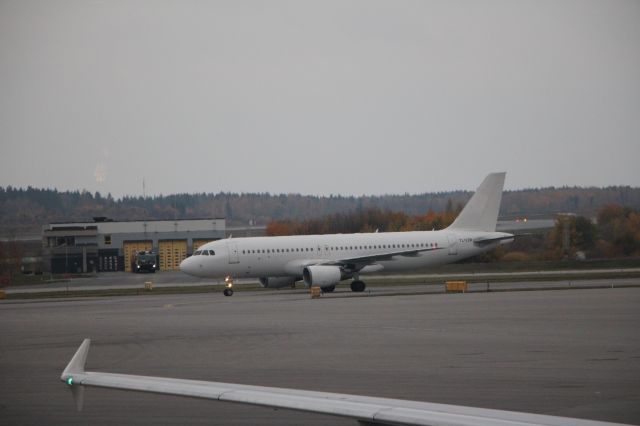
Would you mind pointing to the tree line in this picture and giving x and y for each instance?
(369, 220)
(24, 211)
(614, 232)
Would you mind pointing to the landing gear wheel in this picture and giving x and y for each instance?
(358, 286)
(228, 292)
(328, 289)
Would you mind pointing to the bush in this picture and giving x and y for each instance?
(515, 256)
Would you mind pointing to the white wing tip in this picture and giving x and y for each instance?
(79, 359)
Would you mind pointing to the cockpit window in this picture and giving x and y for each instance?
(212, 253)
(197, 252)
(205, 252)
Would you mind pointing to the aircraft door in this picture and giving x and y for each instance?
(232, 249)
(453, 240)
(326, 252)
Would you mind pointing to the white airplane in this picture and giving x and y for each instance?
(325, 260)
(366, 410)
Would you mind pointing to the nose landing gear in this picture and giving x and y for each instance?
(228, 289)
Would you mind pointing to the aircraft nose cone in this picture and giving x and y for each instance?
(187, 266)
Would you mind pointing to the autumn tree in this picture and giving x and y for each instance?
(618, 231)
(570, 235)
(368, 220)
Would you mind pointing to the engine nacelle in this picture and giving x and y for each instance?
(321, 275)
(276, 282)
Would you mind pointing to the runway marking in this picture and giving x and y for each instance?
(602, 359)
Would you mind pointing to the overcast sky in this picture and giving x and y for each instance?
(318, 97)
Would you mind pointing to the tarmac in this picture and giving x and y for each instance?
(477, 280)
(568, 353)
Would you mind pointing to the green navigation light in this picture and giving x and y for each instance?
(70, 381)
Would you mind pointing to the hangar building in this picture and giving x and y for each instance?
(107, 245)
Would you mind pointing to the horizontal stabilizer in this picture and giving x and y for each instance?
(493, 238)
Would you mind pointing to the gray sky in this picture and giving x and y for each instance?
(342, 97)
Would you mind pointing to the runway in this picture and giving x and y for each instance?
(569, 353)
(529, 280)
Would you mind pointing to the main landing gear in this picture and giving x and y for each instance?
(228, 289)
(328, 289)
(358, 286)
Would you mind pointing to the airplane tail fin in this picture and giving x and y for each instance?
(481, 211)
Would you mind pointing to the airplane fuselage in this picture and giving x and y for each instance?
(325, 260)
(256, 257)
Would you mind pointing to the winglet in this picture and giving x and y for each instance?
(75, 367)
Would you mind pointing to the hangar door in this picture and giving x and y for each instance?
(198, 243)
(172, 252)
(130, 248)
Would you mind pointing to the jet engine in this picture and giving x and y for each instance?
(277, 282)
(321, 275)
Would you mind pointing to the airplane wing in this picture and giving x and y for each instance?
(368, 410)
(357, 263)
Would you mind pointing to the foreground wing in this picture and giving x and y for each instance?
(365, 409)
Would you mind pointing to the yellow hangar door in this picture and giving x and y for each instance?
(130, 248)
(199, 243)
(172, 252)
